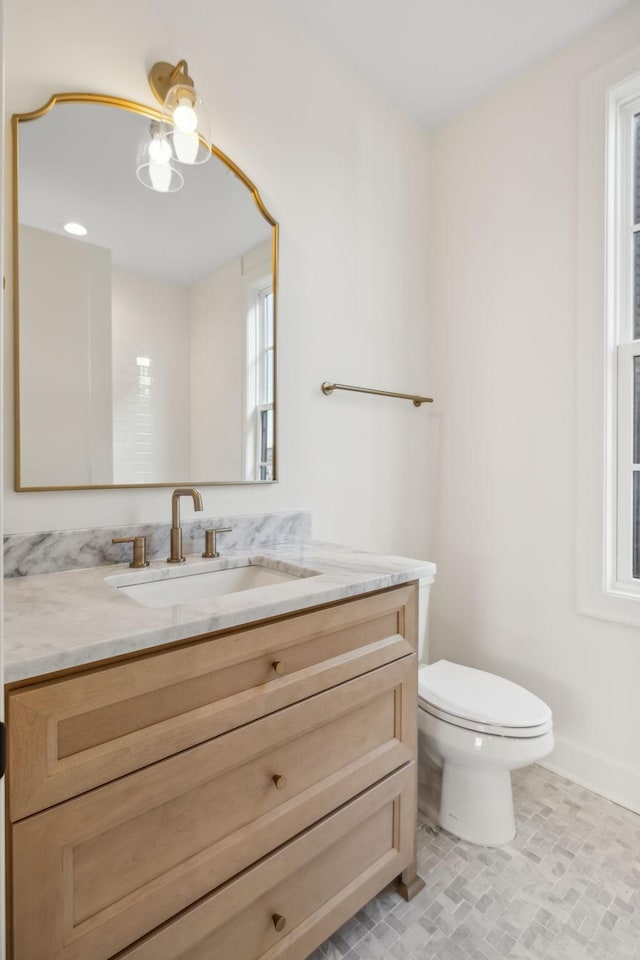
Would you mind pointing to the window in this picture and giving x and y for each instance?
(264, 385)
(623, 323)
(260, 399)
(608, 344)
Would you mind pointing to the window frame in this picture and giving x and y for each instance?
(265, 356)
(623, 106)
(622, 558)
(257, 286)
(602, 286)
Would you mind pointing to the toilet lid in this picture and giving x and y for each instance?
(480, 697)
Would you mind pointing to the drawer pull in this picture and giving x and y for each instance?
(278, 667)
(279, 781)
(279, 921)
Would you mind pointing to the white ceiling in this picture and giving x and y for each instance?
(435, 58)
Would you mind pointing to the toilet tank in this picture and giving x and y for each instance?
(423, 615)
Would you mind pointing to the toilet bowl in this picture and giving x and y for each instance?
(474, 728)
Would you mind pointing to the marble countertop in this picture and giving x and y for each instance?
(56, 621)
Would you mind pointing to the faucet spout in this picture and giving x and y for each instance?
(176, 530)
(175, 502)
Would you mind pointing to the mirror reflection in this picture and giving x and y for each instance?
(146, 328)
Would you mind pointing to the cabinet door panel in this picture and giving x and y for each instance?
(315, 883)
(74, 734)
(99, 871)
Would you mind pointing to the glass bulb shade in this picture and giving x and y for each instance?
(185, 118)
(159, 150)
(161, 177)
(186, 125)
(186, 146)
(154, 165)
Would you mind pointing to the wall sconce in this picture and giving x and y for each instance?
(184, 124)
(154, 167)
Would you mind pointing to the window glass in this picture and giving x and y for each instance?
(636, 284)
(636, 525)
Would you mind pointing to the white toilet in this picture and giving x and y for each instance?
(474, 728)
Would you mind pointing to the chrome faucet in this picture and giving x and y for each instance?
(176, 530)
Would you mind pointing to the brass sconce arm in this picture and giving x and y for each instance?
(163, 76)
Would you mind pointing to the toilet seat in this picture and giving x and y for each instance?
(495, 730)
(482, 702)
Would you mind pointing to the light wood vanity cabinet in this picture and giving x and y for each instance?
(237, 796)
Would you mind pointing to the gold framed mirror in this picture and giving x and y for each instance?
(145, 349)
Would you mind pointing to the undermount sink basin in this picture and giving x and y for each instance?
(155, 590)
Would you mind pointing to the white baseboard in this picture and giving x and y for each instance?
(612, 779)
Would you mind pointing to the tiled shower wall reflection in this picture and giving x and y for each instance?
(151, 422)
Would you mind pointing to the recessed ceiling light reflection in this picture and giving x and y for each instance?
(76, 229)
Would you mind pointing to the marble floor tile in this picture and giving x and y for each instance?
(566, 888)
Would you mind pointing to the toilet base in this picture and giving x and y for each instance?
(429, 784)
(477, 805)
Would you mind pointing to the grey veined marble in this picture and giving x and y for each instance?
(59, 620)
(26, 554)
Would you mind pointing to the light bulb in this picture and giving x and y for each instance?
(186, 146)
(184, 116)
(160, 174)
(161, 177)
(159, 150)
(185, 126)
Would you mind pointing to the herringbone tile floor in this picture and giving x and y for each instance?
(567, 888)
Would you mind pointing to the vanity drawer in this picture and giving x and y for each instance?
(316, 883)
(98, 872)
(74, 734)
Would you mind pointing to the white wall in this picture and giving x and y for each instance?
(504, 349)
(217, 373)
(345, 174)
(65, 300)
(151, 415)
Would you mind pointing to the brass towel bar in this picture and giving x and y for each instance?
(328, 388)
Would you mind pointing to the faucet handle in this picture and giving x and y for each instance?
(210, 548)
(139, 550)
